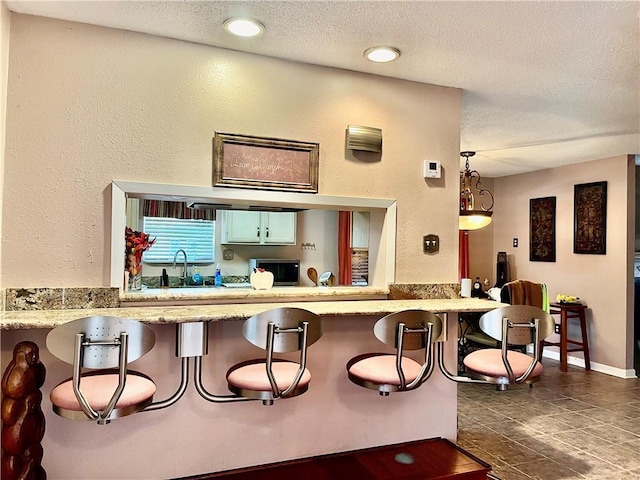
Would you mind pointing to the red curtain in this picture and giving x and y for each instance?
(463, 254)
(344, 248)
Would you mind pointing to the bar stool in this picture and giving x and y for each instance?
(395, 372)
(514, 325)
(102, 387)
(105, 345)
(569, 311)
(281, 330)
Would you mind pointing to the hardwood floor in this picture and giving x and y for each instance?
(576, 425)
(421, 460)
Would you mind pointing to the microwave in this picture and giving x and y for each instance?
(285, 272)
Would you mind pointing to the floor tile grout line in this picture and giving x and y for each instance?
(577, 396)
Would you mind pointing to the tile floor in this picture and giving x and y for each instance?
(569, 426)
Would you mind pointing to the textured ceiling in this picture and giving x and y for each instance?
(545, 83)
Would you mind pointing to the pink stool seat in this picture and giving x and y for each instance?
(381, 369)
(489, 362)
(254, 376)
(98, 390)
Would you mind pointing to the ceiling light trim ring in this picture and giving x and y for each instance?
(243, 27)
(382, 54)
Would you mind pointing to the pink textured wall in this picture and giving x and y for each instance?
(88, 105)
(5, 27)
(601, 281)
(196, 436)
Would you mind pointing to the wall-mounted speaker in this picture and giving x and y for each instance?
(502, 270)
(366, 139)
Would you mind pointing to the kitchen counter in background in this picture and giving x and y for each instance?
(33, 319)
(217, 295)
(47, 298)
(32, 308)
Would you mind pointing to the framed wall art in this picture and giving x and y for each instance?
(264, 163)
(590, 218)
(542, 229)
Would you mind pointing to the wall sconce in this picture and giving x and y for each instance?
(366, 139)
(470, 217)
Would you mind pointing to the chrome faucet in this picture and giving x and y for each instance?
(183, 278)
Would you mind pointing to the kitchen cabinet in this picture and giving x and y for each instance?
(258, 228)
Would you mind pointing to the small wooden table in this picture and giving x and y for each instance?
(569, 311)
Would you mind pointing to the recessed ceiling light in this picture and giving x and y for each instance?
(243, 27)
(381, 54)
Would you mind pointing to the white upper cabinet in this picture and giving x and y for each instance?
(258, 228)
(279, 228)
(240, 227)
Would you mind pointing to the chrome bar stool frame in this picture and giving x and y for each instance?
(519, 325)
(279, 330)
(405, 330)
(106, 345)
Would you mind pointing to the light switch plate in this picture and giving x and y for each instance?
(431, 243)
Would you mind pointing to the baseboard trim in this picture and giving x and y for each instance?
(597, 367)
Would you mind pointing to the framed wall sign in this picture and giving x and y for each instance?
(590, 218)
(265, 163)
(542, 229)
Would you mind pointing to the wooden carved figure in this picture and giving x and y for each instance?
(22, 418)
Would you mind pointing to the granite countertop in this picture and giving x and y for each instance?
(212, 295)
(28, 319)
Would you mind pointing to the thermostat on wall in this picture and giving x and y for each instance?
(431, 169)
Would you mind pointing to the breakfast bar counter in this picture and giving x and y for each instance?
(34, 319)
(245, 433)
(246, 294)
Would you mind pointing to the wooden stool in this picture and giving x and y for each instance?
(568, 311)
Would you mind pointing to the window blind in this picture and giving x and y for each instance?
(359, 266)
(196, 237)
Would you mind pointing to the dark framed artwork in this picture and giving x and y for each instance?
(542, 229)
(590, 218)
(265, 163)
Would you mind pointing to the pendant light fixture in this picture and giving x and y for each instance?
(472, 218)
